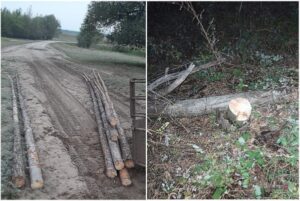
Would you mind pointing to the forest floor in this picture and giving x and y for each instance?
(195, 157)
(62, 119)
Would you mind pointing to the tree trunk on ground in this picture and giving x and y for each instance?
(125, 178)
(33, 159)
(125, 149)
(196, 107)
(111, 118)
(18, 163)
(113, 145)
(181, 77)
(110, 169)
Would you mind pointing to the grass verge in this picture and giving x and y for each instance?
(92, 56)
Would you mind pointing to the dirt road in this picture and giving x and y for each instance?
(64, 126)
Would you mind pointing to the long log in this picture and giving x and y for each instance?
(173, 76)
(181, 77)
(113, 145)
(196, 107)
(125, 148)
(36, 177)
(108, 110)
(110, 116)
(18, 177)
(110, 169)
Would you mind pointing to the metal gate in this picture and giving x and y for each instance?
(138, 124)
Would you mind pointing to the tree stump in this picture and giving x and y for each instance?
(239, 110)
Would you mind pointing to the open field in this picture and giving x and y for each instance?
(93, 56)
(6, 42)
(62, 120)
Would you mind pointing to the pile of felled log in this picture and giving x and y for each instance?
(114, 144)
(19, 176)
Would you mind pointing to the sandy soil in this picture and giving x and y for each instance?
(64, 126)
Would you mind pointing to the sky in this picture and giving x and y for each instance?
(69, 13)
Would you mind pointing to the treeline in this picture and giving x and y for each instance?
(15, 24)
(122, 23)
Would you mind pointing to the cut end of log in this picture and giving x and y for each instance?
(111, 173)
(114, 135)
(119, 165)
(113, 122)
(125, 178)
(37, 184)
(129, 163)
(239, 109)
(19, 181)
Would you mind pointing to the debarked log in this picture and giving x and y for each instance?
(125, 148)
(110, 169)
(196, 107)
(36, 178)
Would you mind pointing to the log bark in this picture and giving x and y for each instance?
(173, 76)
(196, 107)
(125, 148)
(110, 116)
(181, 77)
(36, 177)
(108, 110)
(124, 177)
(18, 177)
(113, 145)
(110, 169)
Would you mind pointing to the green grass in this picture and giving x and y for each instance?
(231, 165)
(93, 56)
(123, 49)
(7, 42)
(7, 189)
(66, 38)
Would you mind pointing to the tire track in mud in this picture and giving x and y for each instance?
(69, 108)
(79, 128)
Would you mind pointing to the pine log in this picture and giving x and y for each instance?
(113, 145)
(110, 116)
(110, 169)
(125, 148)
(239, 110)
(173, 76)
(36, 177)
(124, 177)
(18, 177)
(181, 77)
(107, 110)
(196, 107)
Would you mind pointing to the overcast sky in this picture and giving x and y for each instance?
(70, 14)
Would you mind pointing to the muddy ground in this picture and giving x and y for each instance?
(64, 126)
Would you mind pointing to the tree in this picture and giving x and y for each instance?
(16, 24)
(122, 22)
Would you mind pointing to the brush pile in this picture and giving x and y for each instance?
(113, 141)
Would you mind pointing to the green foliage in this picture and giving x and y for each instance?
(241, 31)
(16, 24)
(123, 23)
(267, 60)
(210, 75)
(290, 141)
(257, 191)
